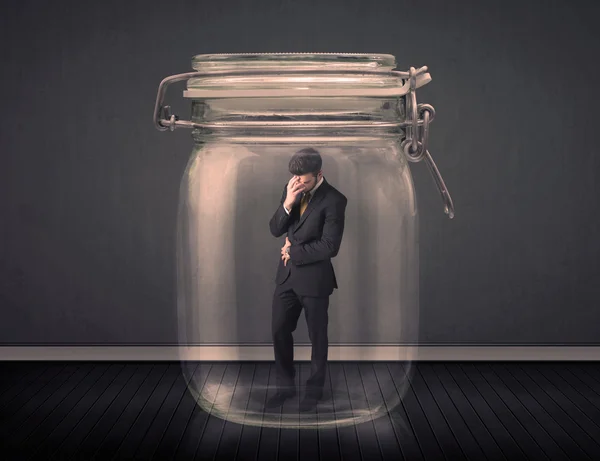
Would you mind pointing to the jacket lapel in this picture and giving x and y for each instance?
(319, 195)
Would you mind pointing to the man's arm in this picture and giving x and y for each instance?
(280, 222)
(329, 243)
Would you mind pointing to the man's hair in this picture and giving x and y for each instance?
(306, 161)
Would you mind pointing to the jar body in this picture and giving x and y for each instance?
(227, 261)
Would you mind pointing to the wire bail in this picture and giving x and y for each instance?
(418, 118)
(414, 145)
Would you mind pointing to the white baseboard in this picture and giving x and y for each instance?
(265, 353)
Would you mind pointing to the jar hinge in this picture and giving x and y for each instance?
(414, 145)
(163, 119)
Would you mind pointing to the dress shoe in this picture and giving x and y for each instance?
(310, 401)
(279, 398)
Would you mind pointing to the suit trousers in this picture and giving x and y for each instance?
(287, 305)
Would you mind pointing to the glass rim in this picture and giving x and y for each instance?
(222, 61)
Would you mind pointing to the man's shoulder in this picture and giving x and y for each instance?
(335, 194)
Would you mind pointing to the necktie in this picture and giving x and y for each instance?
(304, 203)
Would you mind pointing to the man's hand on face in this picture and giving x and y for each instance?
(294, 189)
(284, 256)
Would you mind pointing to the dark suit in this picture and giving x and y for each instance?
(307, 280)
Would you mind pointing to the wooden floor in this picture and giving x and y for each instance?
(451, 410)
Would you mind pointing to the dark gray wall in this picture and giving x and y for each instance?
(88, 187)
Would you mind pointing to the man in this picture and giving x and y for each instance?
(312, 212)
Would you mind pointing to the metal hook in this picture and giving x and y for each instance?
(437, 177)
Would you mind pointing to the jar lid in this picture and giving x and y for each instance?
(245, 75)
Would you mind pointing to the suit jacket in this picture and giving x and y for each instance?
(315, 238)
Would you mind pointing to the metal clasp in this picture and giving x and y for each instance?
(417, 116)
(163, 119)
(416, 149)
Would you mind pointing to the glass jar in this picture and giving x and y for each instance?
(250, 114)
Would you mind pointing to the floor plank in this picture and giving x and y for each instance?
(439, 425)
(230, 436)
(465, 438)
(68, 435)
(196, 425)
(348, 435)
(110, 415)
(33, 434)
(327, 438)
(135, 435)
(367, 437)
(165, 415)
(555, 441)
(30, 409)
(250, 436)
(384, 431)
(433, 410)
(424, 433)
(398, 418)
(215, 425)
(173, 434)
(571, 419)
(476, 425)
(268, 437)
(120, 431)
(486, 412)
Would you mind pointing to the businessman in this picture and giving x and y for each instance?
(312, 213)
